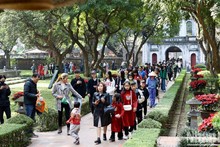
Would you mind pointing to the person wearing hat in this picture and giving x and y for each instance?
(92, 88)
(79, 85)
(152, 86)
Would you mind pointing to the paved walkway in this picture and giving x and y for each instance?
(87, 135)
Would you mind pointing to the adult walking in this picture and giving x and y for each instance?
(61, 91)
(129, 101)
(100, 101)
(163, 77)
(30, 97)
(92, 88)
(110, 84)
(79, 85)
(4, 99)
(152, 86)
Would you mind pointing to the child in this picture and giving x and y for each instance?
(117, 117)
(75, 122)
(145, 92)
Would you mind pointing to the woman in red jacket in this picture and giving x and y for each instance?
(129, 101)
(117, 125)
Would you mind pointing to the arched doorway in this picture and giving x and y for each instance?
(173, 52)
(154, 58)
(193, 59)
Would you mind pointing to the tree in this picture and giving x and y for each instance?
(43, 30)
(206, 14)
(154, 21)
(9, 33)
(93, 25)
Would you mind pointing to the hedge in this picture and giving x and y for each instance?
(48, 121)
(148, 137)
(13, 135)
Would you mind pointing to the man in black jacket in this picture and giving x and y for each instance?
(79, 85)
(4, 99)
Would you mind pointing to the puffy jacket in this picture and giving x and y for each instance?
(30, 91)
(4, 93)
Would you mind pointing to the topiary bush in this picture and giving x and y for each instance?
(157, 115)
(47, 121)
(202, 66)
(149, 123)
(21, 119)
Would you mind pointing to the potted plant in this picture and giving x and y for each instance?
(206, 125)
(210, 104)
(197, 86)
(216, 123)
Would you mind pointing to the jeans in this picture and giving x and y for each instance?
(7, 111)
(163, 84)
(152, 96)
(30, 111)
(76, 99)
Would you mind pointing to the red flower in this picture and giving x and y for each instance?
(197, 84)
(196, 70)
(206, 124)
(209, 101)
(18, 95)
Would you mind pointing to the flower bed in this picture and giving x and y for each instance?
(210, 102)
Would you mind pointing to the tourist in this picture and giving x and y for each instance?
(145, 92)
(61, 91)
(100, 101)
(92, 88)
(30, 97)
(79, 85)
(116, 125)
(74, 122)
(163, 77)
(4, 99)
(110, 84)
(152, 86)
(129, 101)
(119, 81)
(33, 68)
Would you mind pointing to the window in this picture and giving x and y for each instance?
(189, 28)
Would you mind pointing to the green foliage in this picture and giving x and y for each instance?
(12, 135)
(47, 121)
(21, 119)
(143, 138)
(188, 132)
(202, 66)
(216, 122)
(149, 123)
(158, 116)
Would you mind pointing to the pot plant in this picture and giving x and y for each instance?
(210, 104)
(216, 123)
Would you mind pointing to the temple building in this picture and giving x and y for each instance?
(183, 46)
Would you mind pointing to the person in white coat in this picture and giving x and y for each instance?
(110, 85)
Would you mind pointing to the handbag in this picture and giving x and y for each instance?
(64, 100)
(109, 110)
(128, 107)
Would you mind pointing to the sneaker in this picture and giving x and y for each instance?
(77, 142)
(126, 137)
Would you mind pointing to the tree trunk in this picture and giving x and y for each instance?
(59, 63)
(8, 64)
(86, 64)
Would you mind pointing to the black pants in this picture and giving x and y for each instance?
(67, 114)
(7, 111)
(127, 131)
(139, 115)
(170, 76)
(144, 105)
(90, 104)
(120, 135)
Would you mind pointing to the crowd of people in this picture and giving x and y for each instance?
(129, 93)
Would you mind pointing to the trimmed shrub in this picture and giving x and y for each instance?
(149, 123)
(21, 119)
(13, 135)
(158, 116)
(143, 138)
(202, 66)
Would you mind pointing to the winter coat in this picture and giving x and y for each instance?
(110, 85)
(30, 92)
(4, 93)
(117, 124)
(129, 116)
(80, 88)
(59, 90)
(99, 110)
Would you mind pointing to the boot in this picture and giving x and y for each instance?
(98, 141)
(68, 131)
(59, 130)
(104, 137)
